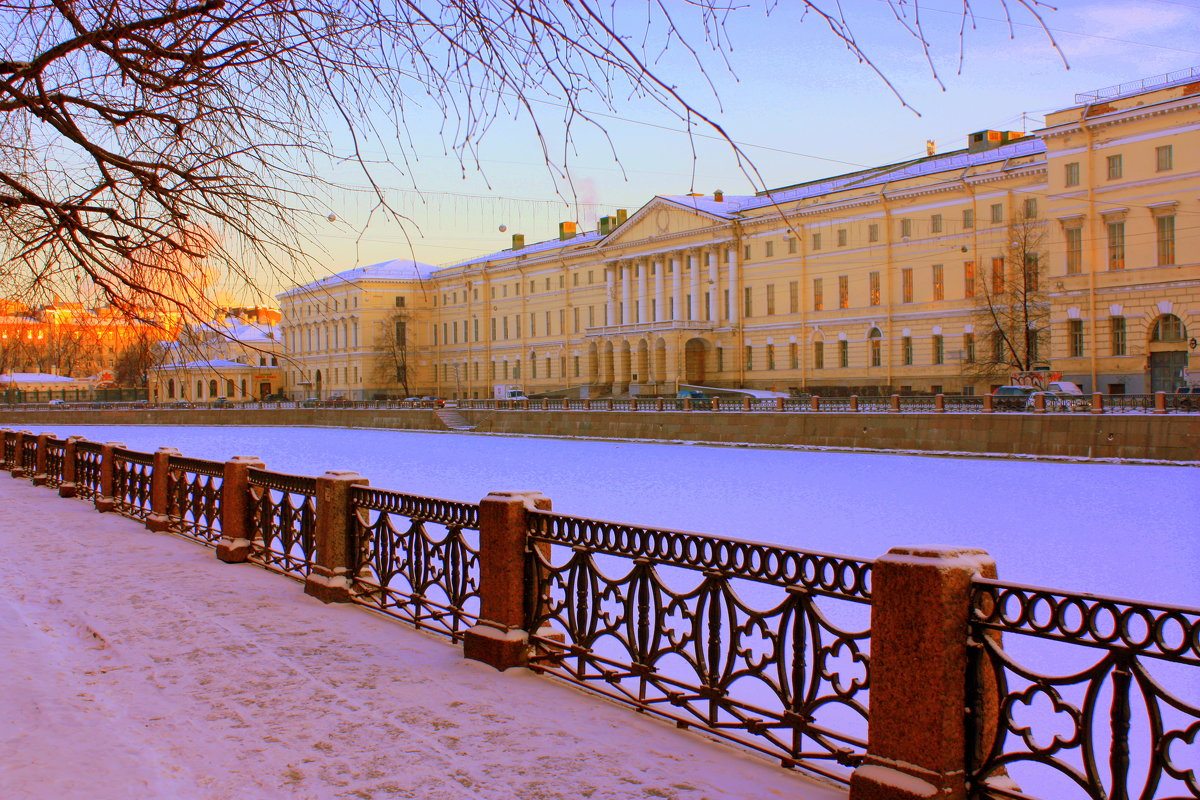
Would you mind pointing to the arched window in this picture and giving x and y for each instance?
(243, 387)
(1168, 328)
(212, 387)
(875, 338)
(229, 392)
(170, 388)
(199, 390)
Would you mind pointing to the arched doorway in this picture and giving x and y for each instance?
(317, 385)
(593, 363)
(660, 360)
(1168, 353)
(641, 369)
(695, 353)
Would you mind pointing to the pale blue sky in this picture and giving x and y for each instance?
(800, 103)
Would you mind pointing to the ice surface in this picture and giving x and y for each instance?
(1112, 529)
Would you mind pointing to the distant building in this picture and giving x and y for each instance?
(889, 279)
(238, 357)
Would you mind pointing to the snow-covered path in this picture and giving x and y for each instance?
(138, 666)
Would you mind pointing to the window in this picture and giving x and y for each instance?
(793, 296)
(770, 298)
(770, 356)
(770, 249)
(1033, 272)
(1031, 208)
(1164, 231)
(906, 285)
(841, 237)
(1115, 167)
(1116, 330)
(532, 324)
(968, 279)
(873, 288)
(816, 241)
(746, 253)
(1074, 237)
(872, 232)
(906, 351)
(720, 359)
(997, 212)
(939, 349)
(748, 302)
(1071, 173)
(749, 358)
(969, 348)
(968, 218)
(818, 355)
(1075, 338)
(1168, 328)
(794, 355)
(905, 228)
(935, 223)
(876, 347)
(818, 297)
(1164, 158)
(998, 275)
(843, 291)
(1116, 244)
(998, 347)
(399, 302)
(843, 353)
(575, 365)
(791, 244)
(939, 282)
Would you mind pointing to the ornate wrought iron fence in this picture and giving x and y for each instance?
(88, 457)
(131, 482)
(964, 404)
(10, 444)
(29, 454)
(425, 570)
(283, 518)
(194, 498)
(1094, 696)
(55, 452)
(757, 643)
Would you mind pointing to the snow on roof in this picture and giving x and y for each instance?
(396, 269)
(212, 363)
(726, 209)
(34, 377)
(539, 247)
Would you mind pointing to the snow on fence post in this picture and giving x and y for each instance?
(917, 736)
(157, 519)
(499, 638)
(39, 468)
(67, 488)
(237, 535)
(332, 576)
(105, 499)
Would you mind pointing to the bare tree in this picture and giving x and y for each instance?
(1012, 316)
(391, 348)
(149, 146)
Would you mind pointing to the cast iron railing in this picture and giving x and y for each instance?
(88, 458)
(283, 517)
(1117, 718)
(194, 498)
(758, 643)
(417, 559)
(55, 452)
(29, 446)
(131, 482)
(10, 446)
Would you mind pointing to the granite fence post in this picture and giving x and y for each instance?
(917, 732)
(39, 469)
(1097, 403)
(105, 499)
(14, 464)
(332, 575)
(68, 486)
(160, 482)
(237, 533)
(1160, 402)
(499, 638)
(939, 404)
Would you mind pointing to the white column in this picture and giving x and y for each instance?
(695, 312)
(626, 292)
(714, 309)
(660, 296)
(643, 303)
(676, 287)
(611, 293)
(732, 284)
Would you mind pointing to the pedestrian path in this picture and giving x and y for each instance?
(138, 666)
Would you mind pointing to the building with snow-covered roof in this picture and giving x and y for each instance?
(237, 357)
(1073, 249)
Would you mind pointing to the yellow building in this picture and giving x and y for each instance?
(237, 358)
(1072, 249)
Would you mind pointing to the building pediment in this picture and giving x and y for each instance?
(665, 216)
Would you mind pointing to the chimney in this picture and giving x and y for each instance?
(622, 215)
(718, 196)
(930, 147)
(606, 225)
(518, 241)
(566, 230)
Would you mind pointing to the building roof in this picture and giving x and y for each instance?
(539, 247)
(396, 269)
(211, 363)
(34, 377)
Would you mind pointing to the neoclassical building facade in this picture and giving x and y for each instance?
(887, 279)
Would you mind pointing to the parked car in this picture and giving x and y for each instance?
(338, 401)
(221, 402)
(1011, 398)
(1056, 401)
(432, 402)
(1185, 398)
(57, 402)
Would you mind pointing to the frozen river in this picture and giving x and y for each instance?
(1126, 530)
